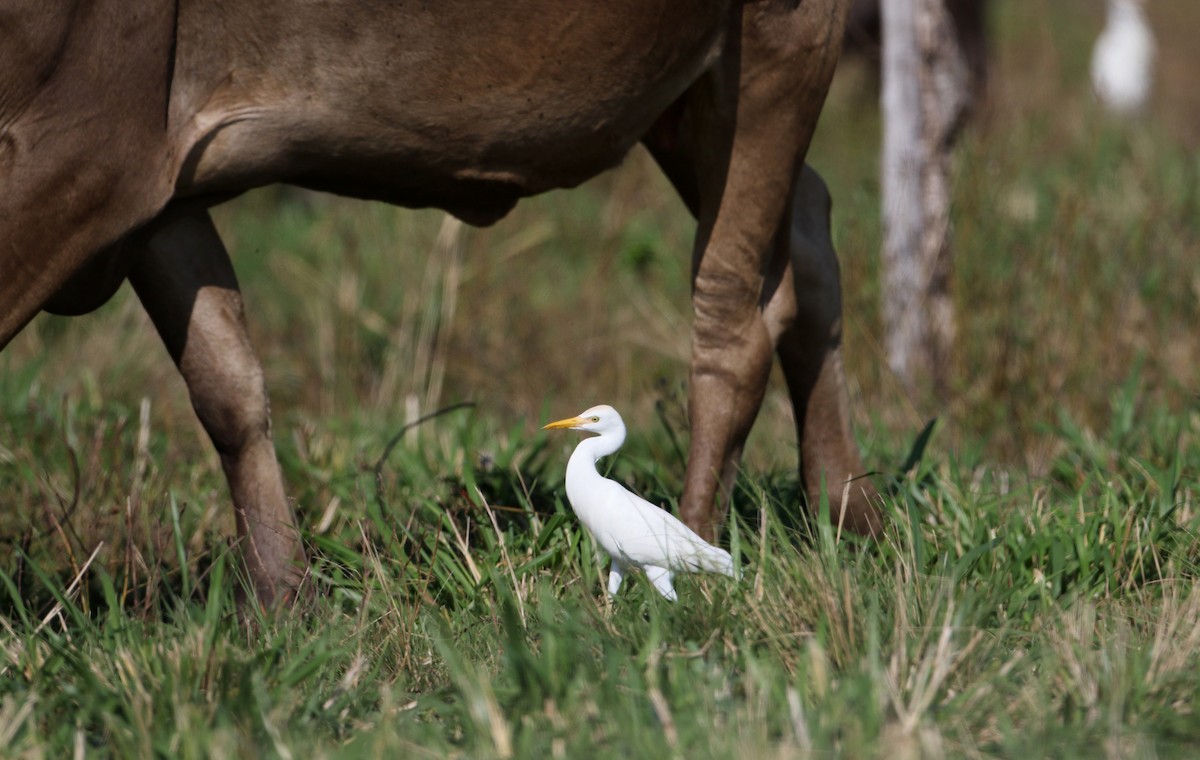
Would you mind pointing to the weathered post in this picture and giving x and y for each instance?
(926, 91)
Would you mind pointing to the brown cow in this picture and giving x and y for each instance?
(122, 121)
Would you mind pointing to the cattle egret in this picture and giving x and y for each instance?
(1123, 59)
(634, 532)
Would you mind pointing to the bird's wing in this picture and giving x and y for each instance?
(648, 535)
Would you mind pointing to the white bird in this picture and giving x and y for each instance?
(635, 533)
(1123, 59)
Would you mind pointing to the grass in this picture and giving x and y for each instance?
(461, 615)
(1033, 595)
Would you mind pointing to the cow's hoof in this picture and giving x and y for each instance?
(861, 513)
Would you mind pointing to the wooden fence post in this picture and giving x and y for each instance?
(926, 93)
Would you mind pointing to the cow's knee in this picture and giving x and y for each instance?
(231, 401)
(225, 381)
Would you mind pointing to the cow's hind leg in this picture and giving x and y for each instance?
(184, 278)
(803, 312)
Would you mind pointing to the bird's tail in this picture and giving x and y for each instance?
(714, 560)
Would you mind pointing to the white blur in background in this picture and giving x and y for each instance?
(1123, 59)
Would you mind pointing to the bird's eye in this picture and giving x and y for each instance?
(595, 419)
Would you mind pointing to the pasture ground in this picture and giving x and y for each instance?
(1033, 596)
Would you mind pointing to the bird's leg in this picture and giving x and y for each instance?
(660, 577)
(803, 313)
(615, 576)
(186, 283)
(732, 146)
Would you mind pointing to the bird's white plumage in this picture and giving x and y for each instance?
(634, 532)
(1123, 59)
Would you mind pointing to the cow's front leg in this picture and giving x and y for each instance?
(732, 146)
(803, 313)
(731, 361)
(184, 278)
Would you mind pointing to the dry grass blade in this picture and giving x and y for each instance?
(506, 559)
(13, 717)
(72, 590)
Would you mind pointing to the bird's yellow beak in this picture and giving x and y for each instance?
(566, 424)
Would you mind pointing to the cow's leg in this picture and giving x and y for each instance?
(803, 313)
(183, 277)
(731, 146)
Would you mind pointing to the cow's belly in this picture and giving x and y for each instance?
(438, 108)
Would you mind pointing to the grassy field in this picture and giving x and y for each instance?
(1033, 596)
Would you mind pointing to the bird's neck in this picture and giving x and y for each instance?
(590, 450)
(598, 446)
